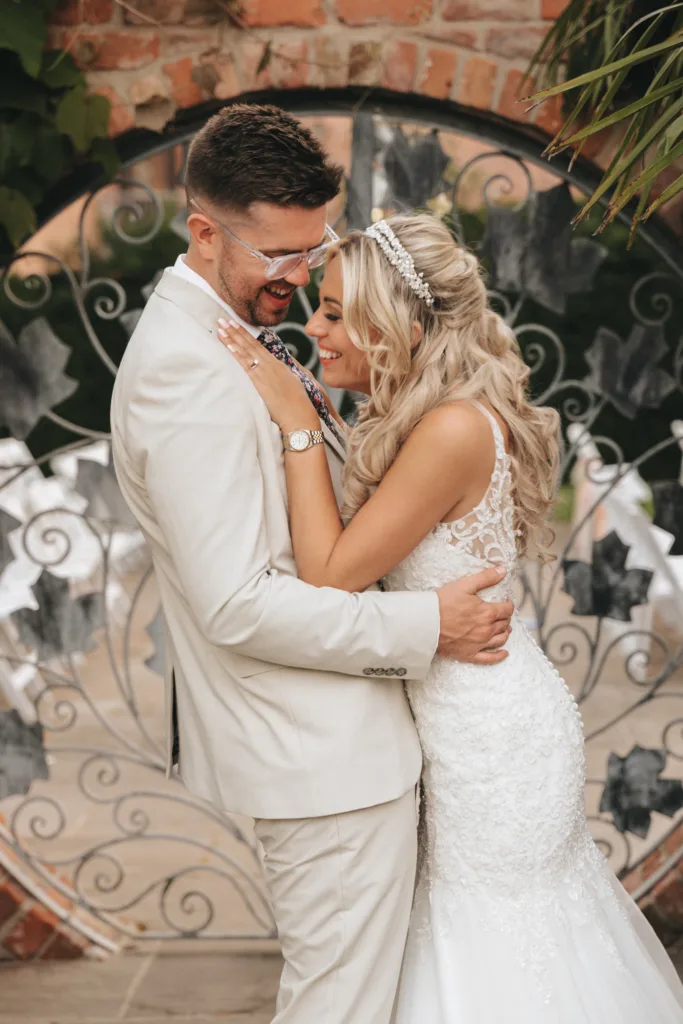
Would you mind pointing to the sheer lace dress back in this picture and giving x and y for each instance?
(483, 537)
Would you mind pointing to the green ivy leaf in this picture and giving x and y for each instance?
(99, 109)
(83, 117)
(59, 70)
(16, 144)
(103, 151)
(23, 28)
(18, 91)
(72, 117)
(17, 216)
(28, 182)
(51, 154)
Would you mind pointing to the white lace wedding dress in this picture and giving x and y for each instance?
(518, 918)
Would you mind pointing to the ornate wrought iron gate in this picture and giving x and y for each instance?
(602, 331)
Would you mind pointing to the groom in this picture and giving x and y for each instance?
(290, 699)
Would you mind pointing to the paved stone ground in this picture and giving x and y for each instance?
(196, 985)
(163, 985)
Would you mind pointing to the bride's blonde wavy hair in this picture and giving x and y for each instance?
(466, 351)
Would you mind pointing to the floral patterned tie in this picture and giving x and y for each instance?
(274, 344)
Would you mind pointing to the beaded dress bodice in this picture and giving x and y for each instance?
(503, 750)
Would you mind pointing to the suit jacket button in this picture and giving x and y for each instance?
(380, 671)
(391, 672)
(368, 671)
(400, 672)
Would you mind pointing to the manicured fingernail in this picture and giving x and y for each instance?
(222, 322)
(234, 325)
(500, 570)
(231, 347)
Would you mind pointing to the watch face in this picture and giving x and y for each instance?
(299, 440)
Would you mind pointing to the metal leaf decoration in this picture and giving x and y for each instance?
(22, 755)
(533, 250)
(414, 169)
(130, 317)
(99, 485)
(32, 379)
(606, 588)
(633, 790)
(155, 631)
(626, 372)
(7, 525)
(668, 499)
(61, 624)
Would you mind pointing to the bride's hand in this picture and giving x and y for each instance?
(281, 390)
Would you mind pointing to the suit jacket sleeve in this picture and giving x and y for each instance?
(203, 476)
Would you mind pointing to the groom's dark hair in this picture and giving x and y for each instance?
(248, 154)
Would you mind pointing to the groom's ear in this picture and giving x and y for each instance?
(204, 236)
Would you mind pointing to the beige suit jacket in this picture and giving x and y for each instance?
(290, 700)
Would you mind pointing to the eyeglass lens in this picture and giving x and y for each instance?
(288, 264)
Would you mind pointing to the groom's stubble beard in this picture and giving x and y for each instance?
(244, 297)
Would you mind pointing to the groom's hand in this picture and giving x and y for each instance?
(472, 629)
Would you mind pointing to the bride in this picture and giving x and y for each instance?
(517, 917)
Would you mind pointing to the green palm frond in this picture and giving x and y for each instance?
(626, 61)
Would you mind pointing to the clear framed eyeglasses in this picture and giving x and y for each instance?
(276, 267)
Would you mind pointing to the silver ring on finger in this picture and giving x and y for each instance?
(254, 364)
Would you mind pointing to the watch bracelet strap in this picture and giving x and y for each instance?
(316, 436)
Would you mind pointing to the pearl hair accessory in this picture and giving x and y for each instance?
(400, 258)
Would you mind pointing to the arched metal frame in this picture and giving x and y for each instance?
(184, 907)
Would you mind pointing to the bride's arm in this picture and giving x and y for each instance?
(426, 480)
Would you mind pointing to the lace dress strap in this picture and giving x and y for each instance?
(498, 438)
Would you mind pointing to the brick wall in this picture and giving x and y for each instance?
(39, 920)
(151, 57)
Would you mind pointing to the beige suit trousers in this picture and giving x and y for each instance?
(341, 888)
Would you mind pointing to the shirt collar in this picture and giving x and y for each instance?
(181, 268)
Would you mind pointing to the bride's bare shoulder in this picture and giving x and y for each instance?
(455, 427)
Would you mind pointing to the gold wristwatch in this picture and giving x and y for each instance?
(302, 440)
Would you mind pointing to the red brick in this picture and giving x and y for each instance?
(466, 38)
(12, 898)
(365, 64)
(551, 9)
(79, 12)
(673, 842)
(478, 82)
(31, 932)
(515, 86)
(330, 62)
(549, 115)
(112, 51)
(396, 12)
(291, 65)
(250, 56)
(164, 12)
(668, 899)
(438, 73)
(120, 115)
(270, 13)
(210, 12)
(185, 91)
(491, 10)
(66, 944)
(400, 64)
(518, 42)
